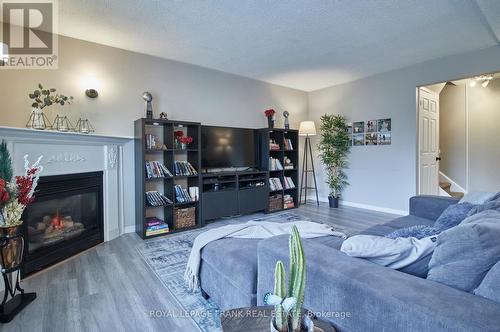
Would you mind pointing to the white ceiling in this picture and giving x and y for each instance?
(303, 44)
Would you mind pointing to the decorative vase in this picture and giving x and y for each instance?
(38, 120)
(12, 246)
(183, 146)
(270, 122)
(11, 255)
(306, 326)
(333, 202)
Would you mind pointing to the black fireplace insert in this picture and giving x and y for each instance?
(65, 219)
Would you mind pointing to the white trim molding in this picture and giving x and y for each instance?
(367, 207)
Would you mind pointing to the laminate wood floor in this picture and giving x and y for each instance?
(110, 287)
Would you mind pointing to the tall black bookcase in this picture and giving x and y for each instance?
(281, 152)
(166, 153)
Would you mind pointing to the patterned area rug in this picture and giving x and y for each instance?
(168, 256)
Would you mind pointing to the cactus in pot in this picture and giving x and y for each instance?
(288, 305)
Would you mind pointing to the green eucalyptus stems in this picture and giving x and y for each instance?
(46, 97)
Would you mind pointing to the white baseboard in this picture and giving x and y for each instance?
(129, 229)
(454, 186)
(368, 207)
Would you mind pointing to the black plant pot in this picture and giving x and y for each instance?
(333, 202)
(270, 122)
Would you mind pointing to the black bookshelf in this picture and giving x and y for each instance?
(166, 152)
(281, 153)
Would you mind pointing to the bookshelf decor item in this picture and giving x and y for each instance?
(167, 178)
(148, 98)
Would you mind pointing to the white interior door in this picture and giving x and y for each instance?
(428, 105)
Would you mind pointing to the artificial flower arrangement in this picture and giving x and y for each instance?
(182, 140)
(270, 117)
(16, 192)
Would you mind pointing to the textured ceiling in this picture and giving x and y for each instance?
(303, 44)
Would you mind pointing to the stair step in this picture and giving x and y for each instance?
(456, 194)
(445, 185)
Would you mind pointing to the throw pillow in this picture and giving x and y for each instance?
(477, 197)
(453, 215)
(490, 287)
(464, 254)
(417, 231)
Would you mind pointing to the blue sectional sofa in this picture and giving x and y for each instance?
(352, 293)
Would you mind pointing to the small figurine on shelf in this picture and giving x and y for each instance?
(163, 116)
(270, 117)
(286, 115)
(181, 141)
(148, 98)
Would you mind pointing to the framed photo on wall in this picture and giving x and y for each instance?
(358, 139)
(384, 125)
(358, 127)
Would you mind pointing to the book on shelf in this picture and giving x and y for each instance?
(152, 143)
(288, 202)
(155, 169)
(288, 144)
(275, 184)
(275, 164)
(183, 195)
(155, 198)
(156, 226)
(273, 146)
(288, 182)
(184, 168)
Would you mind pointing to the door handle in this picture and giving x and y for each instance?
(438, 158)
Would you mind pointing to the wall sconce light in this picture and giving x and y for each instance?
(91, 93)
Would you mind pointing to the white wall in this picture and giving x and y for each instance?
(452, 133)
(484, 135)
(184, 92)
(385, 176)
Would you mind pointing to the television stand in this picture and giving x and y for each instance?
(231, 193)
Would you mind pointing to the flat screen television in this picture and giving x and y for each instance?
(224, 147)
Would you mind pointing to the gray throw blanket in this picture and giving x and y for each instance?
(249, 230)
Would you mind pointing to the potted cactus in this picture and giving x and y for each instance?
(289, 315)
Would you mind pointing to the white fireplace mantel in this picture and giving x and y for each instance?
(67, 153)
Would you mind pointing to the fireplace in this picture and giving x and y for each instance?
(65, 219)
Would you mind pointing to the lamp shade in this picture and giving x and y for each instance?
(307, 128)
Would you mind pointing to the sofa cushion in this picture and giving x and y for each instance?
(464, 254)
(490, 286)
(453, 215)
(236, 259)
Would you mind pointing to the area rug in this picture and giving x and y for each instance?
(167, 257)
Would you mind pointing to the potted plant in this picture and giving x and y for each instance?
(334, 148)
(43, 98)
(288, 312)
(270, 117)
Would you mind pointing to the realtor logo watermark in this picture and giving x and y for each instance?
(29, 34)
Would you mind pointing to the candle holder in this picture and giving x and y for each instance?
(62, 123)
(84, 126)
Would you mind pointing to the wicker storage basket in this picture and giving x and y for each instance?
(185, 217)
(275, 202)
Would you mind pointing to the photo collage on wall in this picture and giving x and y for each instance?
(371, 132)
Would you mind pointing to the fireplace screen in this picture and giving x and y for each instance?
(61, 219)
(65, 219)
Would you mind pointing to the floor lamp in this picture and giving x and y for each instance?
(307, 129)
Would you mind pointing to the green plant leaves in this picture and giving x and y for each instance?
(334, 149)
